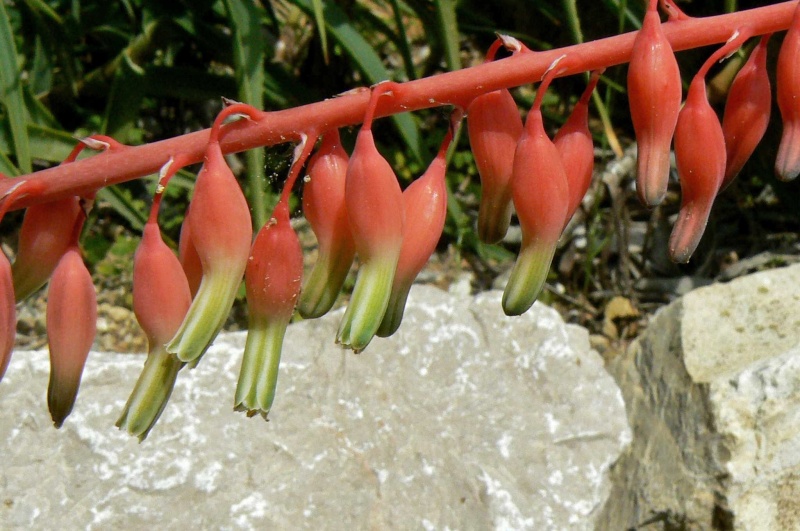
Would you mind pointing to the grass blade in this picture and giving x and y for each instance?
(11, 94)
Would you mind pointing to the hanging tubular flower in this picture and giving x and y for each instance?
(494, 126)
(187, 254)
(576, 148)
(701, 164)
(425, 205)
(161, 298)
(71, 327)
(221, 232)
(8, 314)
(654, 93)
(787, 163)
(541, 198)
(325, 209)
(273, 284)
(747, 111)
(375, 212)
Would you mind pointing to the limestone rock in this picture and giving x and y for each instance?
(464, 419)
(712, 390)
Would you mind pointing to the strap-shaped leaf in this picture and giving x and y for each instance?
(11, 94)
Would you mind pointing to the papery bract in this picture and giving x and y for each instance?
(221, 231)
(325, 209)
(700, 157)
(71, 327)
(8, 314)
(576, 148)
(747, 111)
(425, 205)
(787, 163)
(654, 94)
(272, 278)
(541, 198)
(161, 298)
(494, 127)
(43, 239)
(375, 212)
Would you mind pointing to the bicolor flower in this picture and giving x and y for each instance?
(787, 163)
(541, 197)
(701, 168)
(654, 93)
(273, 279)
(71, 327)
(221, 231)
(374, 204)
(747, 111)
(494, 126)
(161, 298)
(44, 237)
(8, 314)
(425, 205)
(576, 148)
(187, 254)
(325, 209)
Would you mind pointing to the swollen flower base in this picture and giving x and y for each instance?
(356, 207)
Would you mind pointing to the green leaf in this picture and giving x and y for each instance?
(319, 19)
(123, 204)
(46, 144)
(7, 167)
(367, 61)
(448, 32)
(11, 94)
(124, 100)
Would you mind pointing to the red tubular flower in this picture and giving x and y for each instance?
(541, 197)
(574, 143)
(325, 209)
(187, 254)
(375, 212)
(425, 205)
(71, 327)
(746, 111)
(494, 127)
(161, 298)
(654, 93)
(221, 231)
(787, 163)
(8, 314)
(43, 239)
(273, 279)
(701, 168)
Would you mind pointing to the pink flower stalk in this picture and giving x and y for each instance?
(541, 197)
(425, 205)
(273, 279)
(375, 212)
(700, 156)
(8, 314)
(576, 148)
(220, 230)
(654, 93)
(747, 111)
(494, 126)
(325, 209)
(161, 298)
(787, 163)
(71, 327)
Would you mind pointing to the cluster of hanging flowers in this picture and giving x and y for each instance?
(360, 214)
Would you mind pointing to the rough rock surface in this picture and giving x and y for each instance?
(712, 390)
(464, 419)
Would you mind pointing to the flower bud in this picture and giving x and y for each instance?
(494, 127)
(325, 209)
(161, 298)
(71, 326)
(654, 94)
(541, 198)
(701, 168)
(787, 163)
(221, 231)
(187, 254)
(746, 111)
(8, 314)
(576, 148)
(43, 239)
(375, 212)
(273, 278)
(425, 205)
